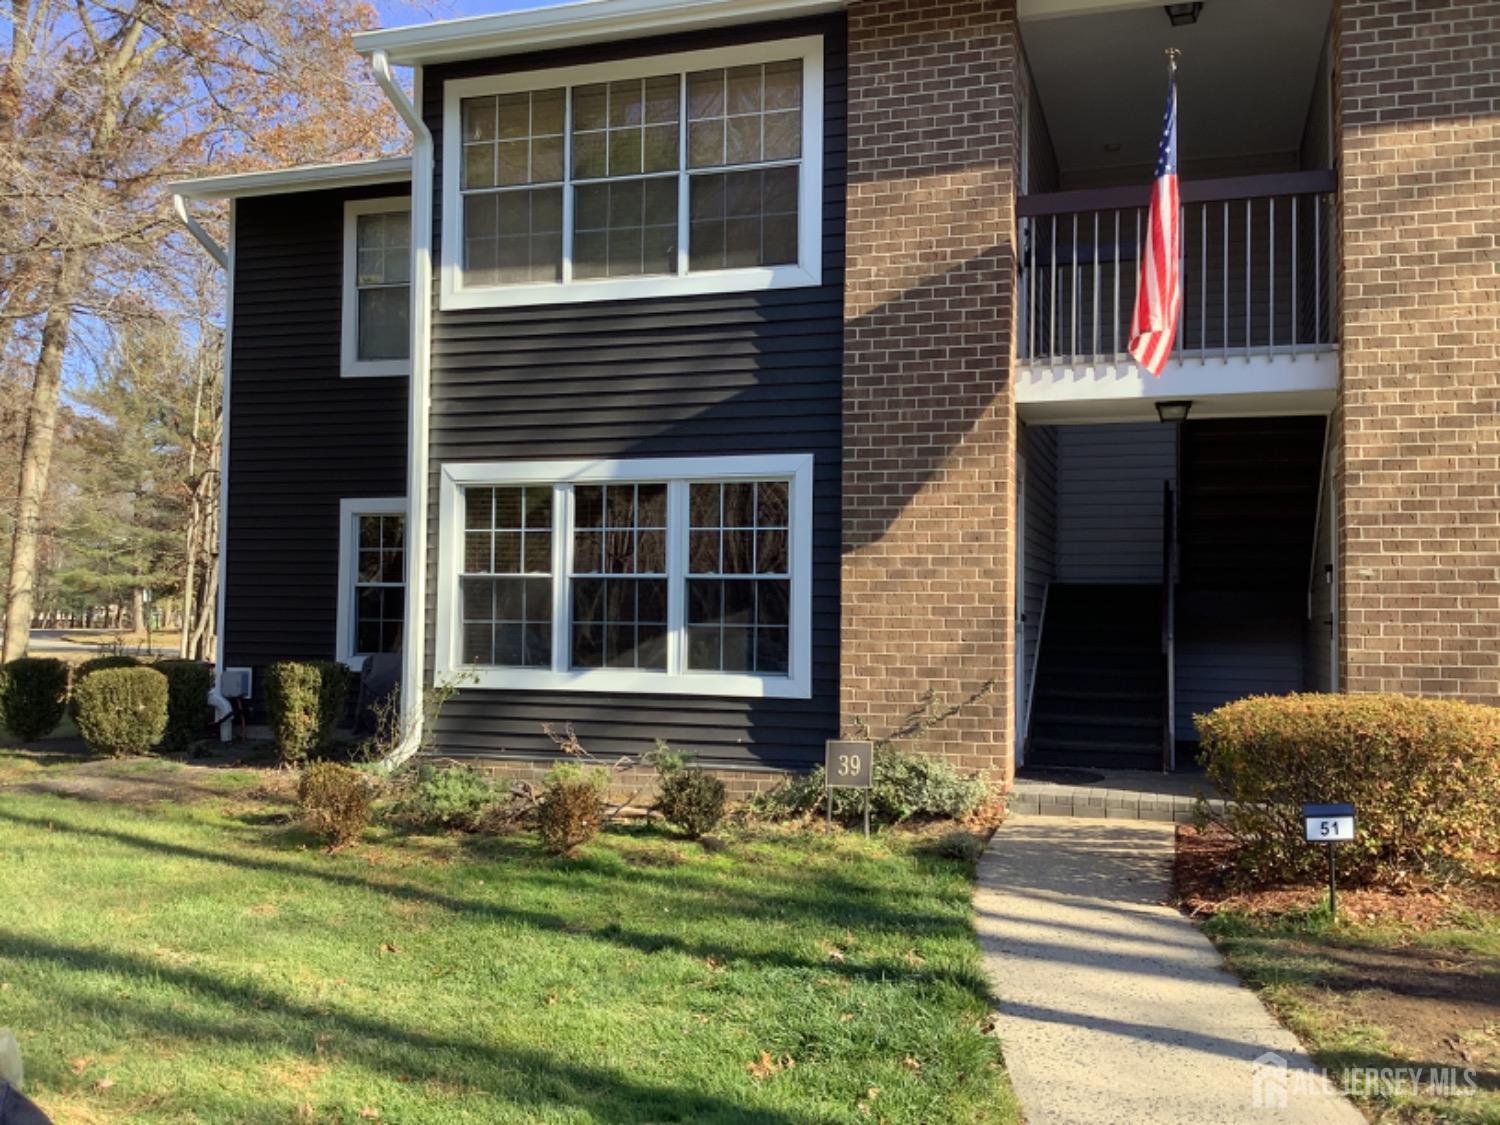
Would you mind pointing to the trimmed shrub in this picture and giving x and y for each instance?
(335, 801)
(439, 798)
(122, 711)
(908, 786)
(305, 702)
(1422, 774)
(32, 694)
(188, 712)
(690, 799)
(571, 808)
(89, 667)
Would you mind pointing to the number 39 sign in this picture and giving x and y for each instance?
(849, 765)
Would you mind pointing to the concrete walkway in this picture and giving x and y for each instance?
(1113, 1006)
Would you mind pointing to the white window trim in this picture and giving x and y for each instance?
(350, 365)
(349, 512)
(676, 472)
(808, 270)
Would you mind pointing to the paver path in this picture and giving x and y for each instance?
(1113, 1006)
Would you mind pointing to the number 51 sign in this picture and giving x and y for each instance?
(849, 765)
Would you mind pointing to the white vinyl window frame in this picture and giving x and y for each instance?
(677, 474)
(806, 271)
(350, 511)
(350, 365)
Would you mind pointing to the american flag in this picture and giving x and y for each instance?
(1158, 299)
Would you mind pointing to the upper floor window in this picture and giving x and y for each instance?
(377, 287)
(690, 173)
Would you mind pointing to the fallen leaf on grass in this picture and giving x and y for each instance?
(370, 1113)
(912, 1064)
(714, 964)
(104, 1083)
(914, 959)
(765, 1066)
(389, 947)
(80, 1064)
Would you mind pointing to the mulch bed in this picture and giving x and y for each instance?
(1203, 863)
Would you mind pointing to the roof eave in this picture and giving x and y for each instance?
(585, 21)
(309, 177)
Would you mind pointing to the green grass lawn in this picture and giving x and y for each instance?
(196, 958)
(1384, 996)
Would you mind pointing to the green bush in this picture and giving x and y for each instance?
(335, 801)
(122, 711)
(446, 798)
(305, 702)
(188, 712)
(907, 786)
(571, 808)
(32, 694)
(1422, 774)
(100, 664)
(689, 798)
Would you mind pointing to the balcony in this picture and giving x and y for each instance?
(1258, 315)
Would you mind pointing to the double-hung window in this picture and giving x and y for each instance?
(681, 576)
(377, 287)
(372, 578)
(688, 173)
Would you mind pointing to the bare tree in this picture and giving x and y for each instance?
(101, 103)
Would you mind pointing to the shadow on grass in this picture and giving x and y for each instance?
(525, 1077)
(836, 902)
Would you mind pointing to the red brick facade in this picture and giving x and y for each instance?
(929, 421)
(1418, 424)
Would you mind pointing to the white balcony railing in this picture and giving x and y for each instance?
(1256, 261)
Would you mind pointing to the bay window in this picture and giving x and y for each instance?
(697, 172)
(681, 576)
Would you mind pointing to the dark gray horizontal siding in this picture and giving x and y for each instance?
(709, 375)
(301, 438)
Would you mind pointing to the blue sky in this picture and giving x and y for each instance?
(398, 13)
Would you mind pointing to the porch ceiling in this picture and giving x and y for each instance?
(1246, 76)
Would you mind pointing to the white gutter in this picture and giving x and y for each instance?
(570, 24)
(205, 240)
(301, 177)
(414, 631)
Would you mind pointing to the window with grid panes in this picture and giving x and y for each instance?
(506, 582)
(724, 145)
(679, 580)
(619, 578)
(379, 583)
(738, 587)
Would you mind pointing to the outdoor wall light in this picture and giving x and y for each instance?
(1175, 410)
(1182, 15)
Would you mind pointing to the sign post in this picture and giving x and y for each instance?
(849, 765)
(1330, 825)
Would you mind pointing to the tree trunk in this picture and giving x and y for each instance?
(138, 610)
(36, 460)
(195, 507)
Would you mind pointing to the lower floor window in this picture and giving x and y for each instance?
(689, 575)
(372, 578)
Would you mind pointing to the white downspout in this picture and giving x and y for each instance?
(223, 712)
(205, 240)
(414, 631)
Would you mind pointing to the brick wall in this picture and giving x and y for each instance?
(1418, 87)
(928, 415)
